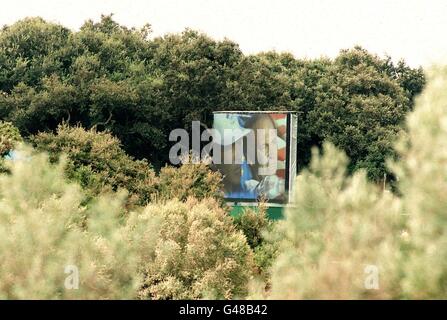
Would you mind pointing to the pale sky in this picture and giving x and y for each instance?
(411, 29)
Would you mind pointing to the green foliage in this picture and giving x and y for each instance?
(259, 231)
(140, 88)
(167, 250)
(411, 80)
(96, 161)
(9, 137)
(199, 253)
(336, 227)
(123, 85)
(340, 225)
(31, 49)
(253, 222)
(33, 110)
(360, 109)
(358, 101)
(44, 229)
(190, 180)
(423, 182)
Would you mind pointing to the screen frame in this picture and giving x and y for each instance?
(287, 186)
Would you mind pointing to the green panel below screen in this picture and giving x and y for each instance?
(274, 213)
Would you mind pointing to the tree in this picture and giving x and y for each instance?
(30, 50)
(357, 101)
(411, 80)
(360, 109)
(140, 88)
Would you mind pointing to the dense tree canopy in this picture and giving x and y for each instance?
(100, 103)
(139, 88)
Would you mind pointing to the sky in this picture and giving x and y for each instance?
(410, 29)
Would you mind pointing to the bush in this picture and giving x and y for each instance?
(44, 230)
(338, 226)
(259, 231)
(342, 229)
(199, 253)
(253, 222)
(9, 136)
(423, 183)
(97, 162)
(190, 180)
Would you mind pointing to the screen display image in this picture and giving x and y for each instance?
(253, 155)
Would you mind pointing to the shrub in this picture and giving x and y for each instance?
(190, 180)
(199, 253)
(340, 226)
(253, 222)
(44, 229)
(259, 232)
(265, 254)
(337, 227)
(97, 162)
(423, 183)
(9, 136)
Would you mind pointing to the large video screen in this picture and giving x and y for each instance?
(254, 161)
